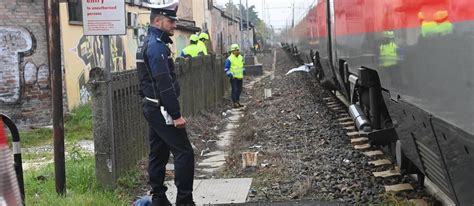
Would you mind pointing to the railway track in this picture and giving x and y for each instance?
(393, 180)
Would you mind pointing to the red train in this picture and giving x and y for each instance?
(407, 68)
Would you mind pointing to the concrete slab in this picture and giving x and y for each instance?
(353, 134)
(419, 202)
(380, 162)
(344, 119)
(231, 126)
(362, 146)
(216, 191)
(254, 70)
(267, 93)
(359, 140)
(170, 167)
(373, 153)
(214, 153)
(216, 158)
(227, 133)
(234, 118)
(350, 128)
(211, 164)
(387, 173)
(351, 123)
(398, 187)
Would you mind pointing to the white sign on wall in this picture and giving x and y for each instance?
(103, 17)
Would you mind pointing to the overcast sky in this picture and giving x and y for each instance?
(278, 13)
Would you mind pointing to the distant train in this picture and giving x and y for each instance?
(407, 68)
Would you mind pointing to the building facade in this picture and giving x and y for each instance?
(25, 91)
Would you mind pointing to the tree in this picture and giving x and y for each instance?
(262, 31)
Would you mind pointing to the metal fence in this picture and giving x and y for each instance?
(120, 132)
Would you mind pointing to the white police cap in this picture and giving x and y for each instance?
(168, 8)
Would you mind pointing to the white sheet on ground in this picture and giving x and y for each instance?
(302, 68)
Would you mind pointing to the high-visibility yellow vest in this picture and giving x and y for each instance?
(203, 47)
(237, 66)
(192, 50)
(388, 54)
(431, 28)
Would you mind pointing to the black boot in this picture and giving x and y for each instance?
(160, 201)
(186, 201)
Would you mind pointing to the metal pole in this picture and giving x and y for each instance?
(54, 60)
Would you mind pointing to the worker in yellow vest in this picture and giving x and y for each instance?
(193, 49)
(388, 50)
(234, 69)
(203, 37)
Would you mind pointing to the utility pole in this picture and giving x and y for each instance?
(248, 20)
(241, 24)
(54, 60)
(227, 36)
(293, 16)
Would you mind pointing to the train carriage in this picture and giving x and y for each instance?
(408, 66)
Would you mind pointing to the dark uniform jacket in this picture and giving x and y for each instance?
(156, 71)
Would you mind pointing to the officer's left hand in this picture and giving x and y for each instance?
(180, 123)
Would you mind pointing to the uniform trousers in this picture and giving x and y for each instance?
(164, 139)
(236, 85)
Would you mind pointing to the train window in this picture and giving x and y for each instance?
(465, 148)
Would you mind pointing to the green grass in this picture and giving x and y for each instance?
(81, 184)
(77, 126)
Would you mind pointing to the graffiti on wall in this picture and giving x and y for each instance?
(90, 50)
(137, 38)
(15, 43)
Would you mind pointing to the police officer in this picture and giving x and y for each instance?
(160, 90)
(193, 49)
(203, 37)
(234, 69)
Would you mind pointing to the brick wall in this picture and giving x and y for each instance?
(24, 75)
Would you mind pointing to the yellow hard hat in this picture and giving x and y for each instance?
(194, 37)
(203, 35)
(234, 47)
